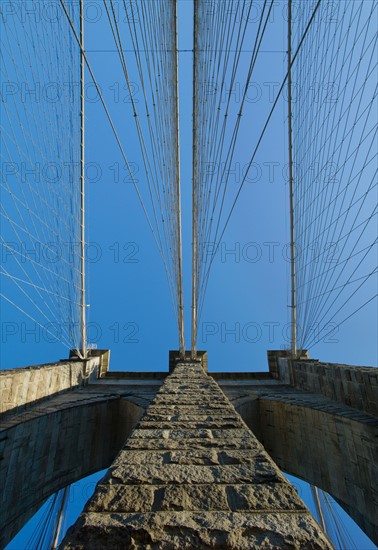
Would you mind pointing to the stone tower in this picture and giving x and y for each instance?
(186, 470)
(192, 475)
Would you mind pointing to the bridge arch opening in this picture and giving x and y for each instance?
(82, 435)
(326, 444)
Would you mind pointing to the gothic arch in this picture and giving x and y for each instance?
(325, 443)
(82, 434)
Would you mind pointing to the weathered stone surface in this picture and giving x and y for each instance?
(22, 388)
(123, 498)
(200, 433)
(194, 498)
(259, 472)
(264, 497)
(353, 386)
(195, 424)
(242, 442)
(317, 421)
(204, 457)
(197, 530)
(192, 475)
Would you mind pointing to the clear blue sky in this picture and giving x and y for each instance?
(246, 310)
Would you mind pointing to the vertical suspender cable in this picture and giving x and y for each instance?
(194, 196)
(178, 193)
(315, 494)
(82, 185)
(291, 191)
(60, 518)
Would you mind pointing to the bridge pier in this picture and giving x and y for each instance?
(192, 475)
(316, 421)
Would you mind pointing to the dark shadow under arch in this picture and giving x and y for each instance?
(81, 435)
(328, 445)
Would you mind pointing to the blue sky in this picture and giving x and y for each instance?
(246, 309)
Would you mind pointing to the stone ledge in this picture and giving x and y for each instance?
(203, 530)
(267, 498)
(28, 387)
(261, 471)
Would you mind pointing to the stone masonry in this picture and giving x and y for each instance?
(192, 475)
